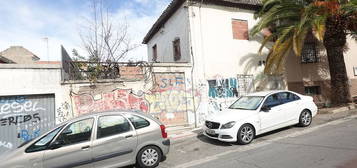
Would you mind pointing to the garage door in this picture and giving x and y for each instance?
(23, 118)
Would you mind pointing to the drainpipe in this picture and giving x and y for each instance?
(193, 61)
(193, 66)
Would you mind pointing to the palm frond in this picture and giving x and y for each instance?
(275, 59)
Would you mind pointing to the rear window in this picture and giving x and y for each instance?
(112, 125)
(137, 121)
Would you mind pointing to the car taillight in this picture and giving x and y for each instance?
(163, 131)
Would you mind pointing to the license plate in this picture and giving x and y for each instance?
(209, 131)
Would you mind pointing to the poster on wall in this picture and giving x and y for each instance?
(355, 70)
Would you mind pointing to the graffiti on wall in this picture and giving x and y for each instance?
(17, 105)
(64, 112)
(206, 109)
(223, 88)
(22, 118)
(168, 101)
(120, 99)
(19, 119)
(27, 135)
(230, 87)
(5, 144)
(19, 110)
(222, 92)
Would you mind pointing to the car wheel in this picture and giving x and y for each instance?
(305, 118)
(149, 157)
(246, 134)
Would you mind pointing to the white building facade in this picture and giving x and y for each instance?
(212, 37)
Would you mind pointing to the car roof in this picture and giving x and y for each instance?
(100, 113)
(109, 113)
(266, 93)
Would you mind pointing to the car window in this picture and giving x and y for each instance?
(272, 100)
(76, 132)
(295, 97)
(285, 97)
(288, 97)
(112, 125)
(137, 121)
(43, 143)
(247, 103)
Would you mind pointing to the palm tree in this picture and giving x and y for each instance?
(291, 21)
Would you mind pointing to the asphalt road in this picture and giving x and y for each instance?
(332, 144)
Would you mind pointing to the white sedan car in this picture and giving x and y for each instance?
(258, 113)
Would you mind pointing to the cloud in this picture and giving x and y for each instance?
(27, 23)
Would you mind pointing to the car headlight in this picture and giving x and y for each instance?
(228, 125)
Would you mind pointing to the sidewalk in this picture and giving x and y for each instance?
(323, 116)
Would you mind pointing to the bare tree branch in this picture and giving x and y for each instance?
(103, 40)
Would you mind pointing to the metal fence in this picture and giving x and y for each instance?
(245, 84)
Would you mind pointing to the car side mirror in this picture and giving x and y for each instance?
(265, 108)
(56, 144)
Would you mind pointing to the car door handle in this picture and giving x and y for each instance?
(128, 136)
(85, 147)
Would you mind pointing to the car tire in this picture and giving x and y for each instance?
(305, 118)
(246, 134)
(148, 157)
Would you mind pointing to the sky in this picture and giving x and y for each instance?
(36, 24)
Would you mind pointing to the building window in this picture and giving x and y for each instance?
(154, 53)
(309, 53)
(240, 29)
(177, 49)
(312, 90)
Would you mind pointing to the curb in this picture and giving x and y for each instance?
(337, 109)
(187, 134)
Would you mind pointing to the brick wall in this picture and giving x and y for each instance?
(240, 29)
(131, 72)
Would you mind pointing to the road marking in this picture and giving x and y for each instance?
(264, 143)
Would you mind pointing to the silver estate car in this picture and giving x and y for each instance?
(106, 139)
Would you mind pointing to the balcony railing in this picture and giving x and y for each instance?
(94, 71)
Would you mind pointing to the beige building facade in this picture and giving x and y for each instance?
(312, 77)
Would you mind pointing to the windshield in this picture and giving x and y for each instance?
(247, 103)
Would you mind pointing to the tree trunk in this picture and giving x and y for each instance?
(334, 42)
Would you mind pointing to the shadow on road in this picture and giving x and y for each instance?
(205, 139)
(274, 132)
(133, 166)
(261, 137)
